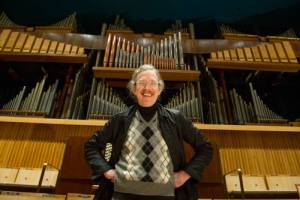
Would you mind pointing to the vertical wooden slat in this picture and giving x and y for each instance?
(45, 46)
(67, 49)
(290, 52)
(264, 53)
(37, 45)
(53, 46)
(272, 53)
(256, 54)
(60, 48)
(226, 55)
(11, 42)
(74, 50)
(20, 42)
(281, 53)
(248, 53)
(28, 44)
(220, 55)
(213, 55)
(4, 37)
(233, 54)
(81, 51)
(241, 55)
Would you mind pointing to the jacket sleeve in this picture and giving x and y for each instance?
(94, 147)
(201, 145)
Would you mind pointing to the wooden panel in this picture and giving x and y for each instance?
(256, 54)
(272, 53)
(8, 175)
(4, 37)
(28, 48)
(37, 45)
(8, 195)
(264, 53)
(75, 152)
(295, 180)
(20, 43)
(281, 53)
(244, 65)
(50, 178)
(233, 54)
(232, 183)
(28, 44)
(213, 55)
(76, 196)
(248, 54)
(74, 49)
(11, 42)
(27, 176)
(241, 150)
(45, 46)
(126, 73)
(226, 55)
(220, 55)
(240, 54)
(280, 183)
(60, 48)
(53, 46)
(80, 51)
(290, 52)
(67, 49)
(254, 183)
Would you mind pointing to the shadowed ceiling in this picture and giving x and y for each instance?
(155, 15)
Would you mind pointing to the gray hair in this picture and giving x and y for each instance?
(143, 68)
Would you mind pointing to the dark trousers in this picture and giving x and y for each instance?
(125, 196)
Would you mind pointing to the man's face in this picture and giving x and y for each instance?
(146, 88)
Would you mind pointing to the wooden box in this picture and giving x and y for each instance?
(28, 176)
(254, 183)
(50, 178)
(280, 183)
(232, 183)
(8, 175)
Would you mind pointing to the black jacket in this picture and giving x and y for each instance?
(175, 129)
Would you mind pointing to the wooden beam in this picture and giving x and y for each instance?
(31, 57)
(126, 73)
(244, 65)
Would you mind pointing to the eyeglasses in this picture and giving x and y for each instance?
(143, 84)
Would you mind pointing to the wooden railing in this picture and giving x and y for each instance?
(22, 46)
(277, 56)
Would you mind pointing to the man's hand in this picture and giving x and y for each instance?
(180, 178)
(110, 175)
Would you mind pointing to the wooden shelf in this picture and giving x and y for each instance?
(100, 123)
(247, 128)
(246, 65)
(126, 73)
(30, 57)
(52, 121)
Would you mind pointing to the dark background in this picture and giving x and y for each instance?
(252, 16)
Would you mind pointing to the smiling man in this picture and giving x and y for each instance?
(148, 161)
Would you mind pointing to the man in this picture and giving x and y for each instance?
(147, 159)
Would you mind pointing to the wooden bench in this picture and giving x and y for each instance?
(11, 195)
(77, 196)
(27, 179)
(262, 186)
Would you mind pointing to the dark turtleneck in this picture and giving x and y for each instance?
(147, 112)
